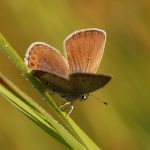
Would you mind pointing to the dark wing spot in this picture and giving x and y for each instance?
(53, 89)
(83, 80)
(68, 84)
(62, 96)
(32, 64)
(47, 82)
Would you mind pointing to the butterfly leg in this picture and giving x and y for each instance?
(67, 104)
(71, 106)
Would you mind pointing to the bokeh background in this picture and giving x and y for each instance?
(125, 123)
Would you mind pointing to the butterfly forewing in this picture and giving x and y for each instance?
(86, 82)
(42, 56)
(84, 50)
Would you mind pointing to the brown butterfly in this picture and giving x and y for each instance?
(73, 77)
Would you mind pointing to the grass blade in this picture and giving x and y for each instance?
(38, 115)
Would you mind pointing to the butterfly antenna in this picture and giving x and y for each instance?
(104, 102)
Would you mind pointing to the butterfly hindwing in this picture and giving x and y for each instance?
(86, 83)
(54, 82)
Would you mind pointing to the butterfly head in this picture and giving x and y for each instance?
(83, 97)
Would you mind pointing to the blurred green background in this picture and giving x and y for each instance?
(125, 123)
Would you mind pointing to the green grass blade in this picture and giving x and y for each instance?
(41, 118)
(8, 50)
(29, 113)
(91, 145)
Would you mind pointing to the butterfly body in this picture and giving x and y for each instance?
(67, 91)
(76, 86)
(73, 76)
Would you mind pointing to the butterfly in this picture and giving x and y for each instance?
(73, 76)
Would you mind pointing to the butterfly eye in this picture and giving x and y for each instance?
(83, 97)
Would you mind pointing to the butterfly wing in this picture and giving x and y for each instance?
(84, 50)
(86, 83)
(54, 82)
(42, 56)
